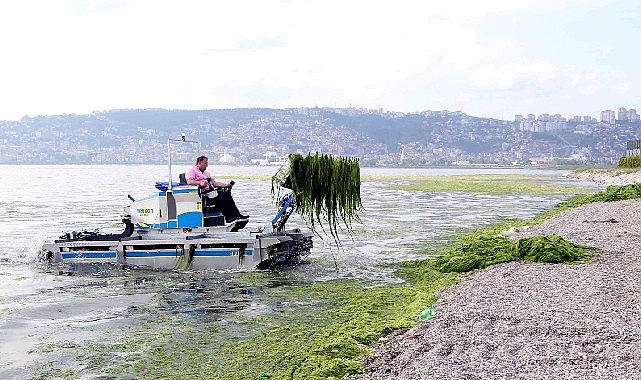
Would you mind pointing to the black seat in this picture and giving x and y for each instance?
(209, 204)
(183, 179)
(212, 215)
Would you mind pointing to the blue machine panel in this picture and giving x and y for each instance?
(153, 253)
(88, 255)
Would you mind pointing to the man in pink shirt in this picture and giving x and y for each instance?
(199, 176)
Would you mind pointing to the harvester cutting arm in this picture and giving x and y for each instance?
(286, 209)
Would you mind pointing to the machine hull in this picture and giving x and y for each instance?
(160, 249)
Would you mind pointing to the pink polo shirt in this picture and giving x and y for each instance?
(195, 173)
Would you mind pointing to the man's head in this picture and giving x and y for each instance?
(201, 163)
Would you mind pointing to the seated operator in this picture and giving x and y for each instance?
(199, 176)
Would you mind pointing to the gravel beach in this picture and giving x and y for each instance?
(524, 320)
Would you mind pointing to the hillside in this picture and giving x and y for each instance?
(383, 138)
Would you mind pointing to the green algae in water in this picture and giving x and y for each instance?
(323, 337)
(489, 184)
(329, 327)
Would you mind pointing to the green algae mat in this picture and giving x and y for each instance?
(330, 326)
(309, 331)
(499, 184)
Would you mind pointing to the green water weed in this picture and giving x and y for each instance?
(326, 327)
(489, 184)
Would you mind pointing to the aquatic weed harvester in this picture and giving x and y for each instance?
(181, 227)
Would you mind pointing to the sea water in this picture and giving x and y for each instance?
(40, 309)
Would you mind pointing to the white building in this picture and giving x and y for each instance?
(623, 114)
(227, 159)
(607, 116)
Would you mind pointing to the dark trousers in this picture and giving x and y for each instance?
(225, 204)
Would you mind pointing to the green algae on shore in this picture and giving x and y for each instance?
(610, 194)
(315, 331)
(479, 251)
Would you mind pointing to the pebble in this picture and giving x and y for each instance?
(523, 320)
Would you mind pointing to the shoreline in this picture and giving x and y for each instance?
(607, 177)
(523, 320)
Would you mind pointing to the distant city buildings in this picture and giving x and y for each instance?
(607, 116)
(547, 123)
(628, 115)
(267, 136)
(544, 123)
(623, 114)
(583, 119)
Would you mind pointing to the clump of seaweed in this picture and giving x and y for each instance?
(325, 189)
(481, 251)
(550, 249)
(476, 252)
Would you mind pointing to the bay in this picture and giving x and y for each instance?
(40, 310)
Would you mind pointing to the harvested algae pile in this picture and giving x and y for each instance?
(325, 189)
(479, 251)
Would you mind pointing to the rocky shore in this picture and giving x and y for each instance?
(523, 320)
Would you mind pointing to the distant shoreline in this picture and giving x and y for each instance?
(607, 177)
(275, 164)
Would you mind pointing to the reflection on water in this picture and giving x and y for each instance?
(40, 308)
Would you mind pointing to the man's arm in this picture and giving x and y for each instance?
(215, 183)
(196, 182)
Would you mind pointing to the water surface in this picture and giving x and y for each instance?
(45, 316)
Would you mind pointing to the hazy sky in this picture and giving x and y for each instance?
(492, 58)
